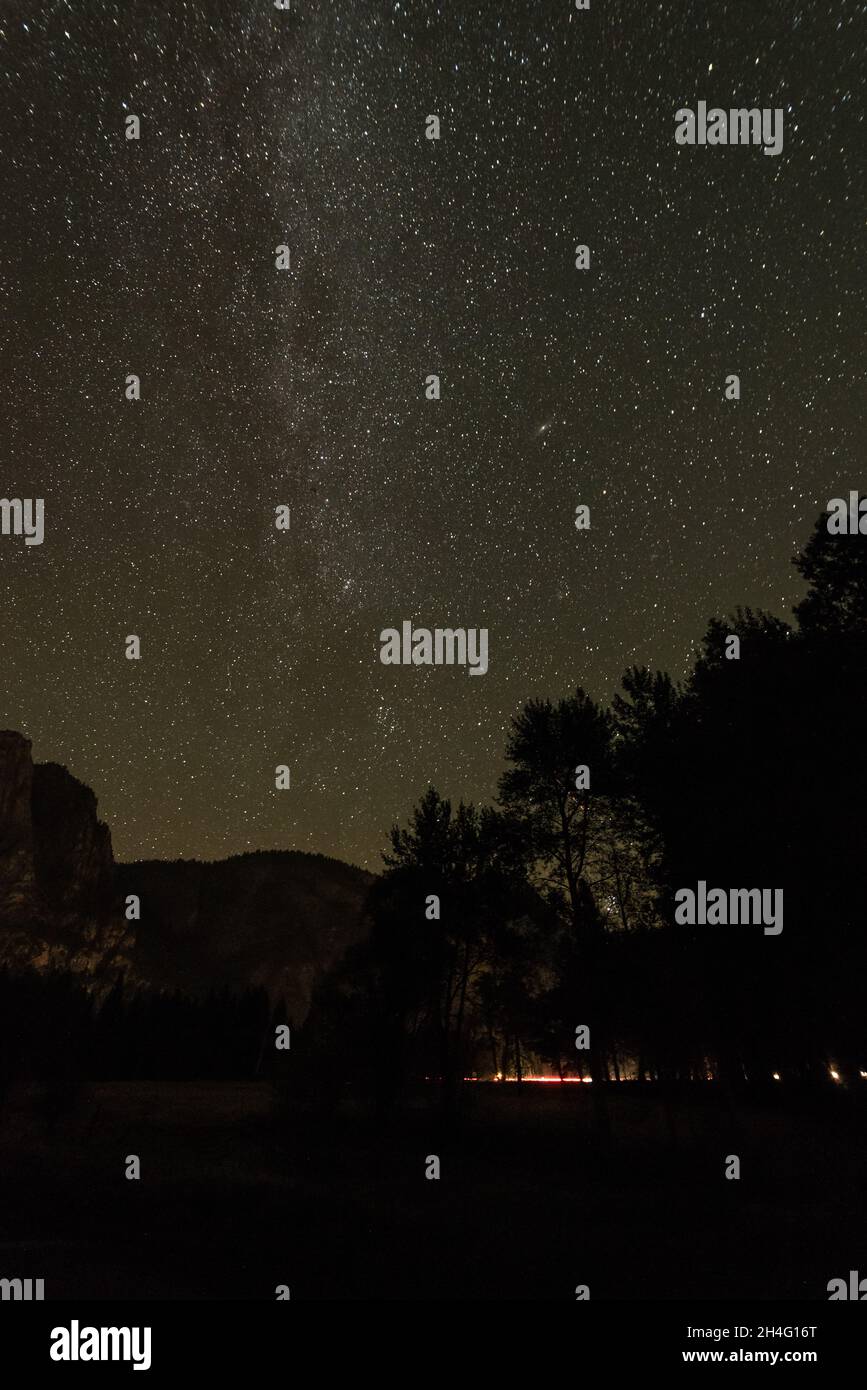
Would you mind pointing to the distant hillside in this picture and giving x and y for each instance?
(275, 918)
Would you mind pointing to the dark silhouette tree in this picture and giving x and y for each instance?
(437, 975)
(547, 745)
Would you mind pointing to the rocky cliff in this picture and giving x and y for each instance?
(59, 902)
(278, 919)
(17, 872)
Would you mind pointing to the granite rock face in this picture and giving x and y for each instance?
(59, 902)
(17, 872)
(72, 848)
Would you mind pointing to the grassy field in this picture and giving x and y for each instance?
(238, 1195)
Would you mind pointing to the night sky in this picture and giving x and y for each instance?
(306, 388)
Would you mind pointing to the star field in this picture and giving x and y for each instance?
(305, 388)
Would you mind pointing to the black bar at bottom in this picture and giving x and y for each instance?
(169, 1340)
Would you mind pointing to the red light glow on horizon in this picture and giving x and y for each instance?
(546, 1080)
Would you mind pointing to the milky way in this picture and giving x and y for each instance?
(306, 388)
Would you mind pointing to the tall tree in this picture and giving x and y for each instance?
(561, 775)
(454, 881)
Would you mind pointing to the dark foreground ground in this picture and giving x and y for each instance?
(238, 1195)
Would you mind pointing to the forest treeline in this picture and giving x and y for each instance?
(58, 1027)
(497, 932)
